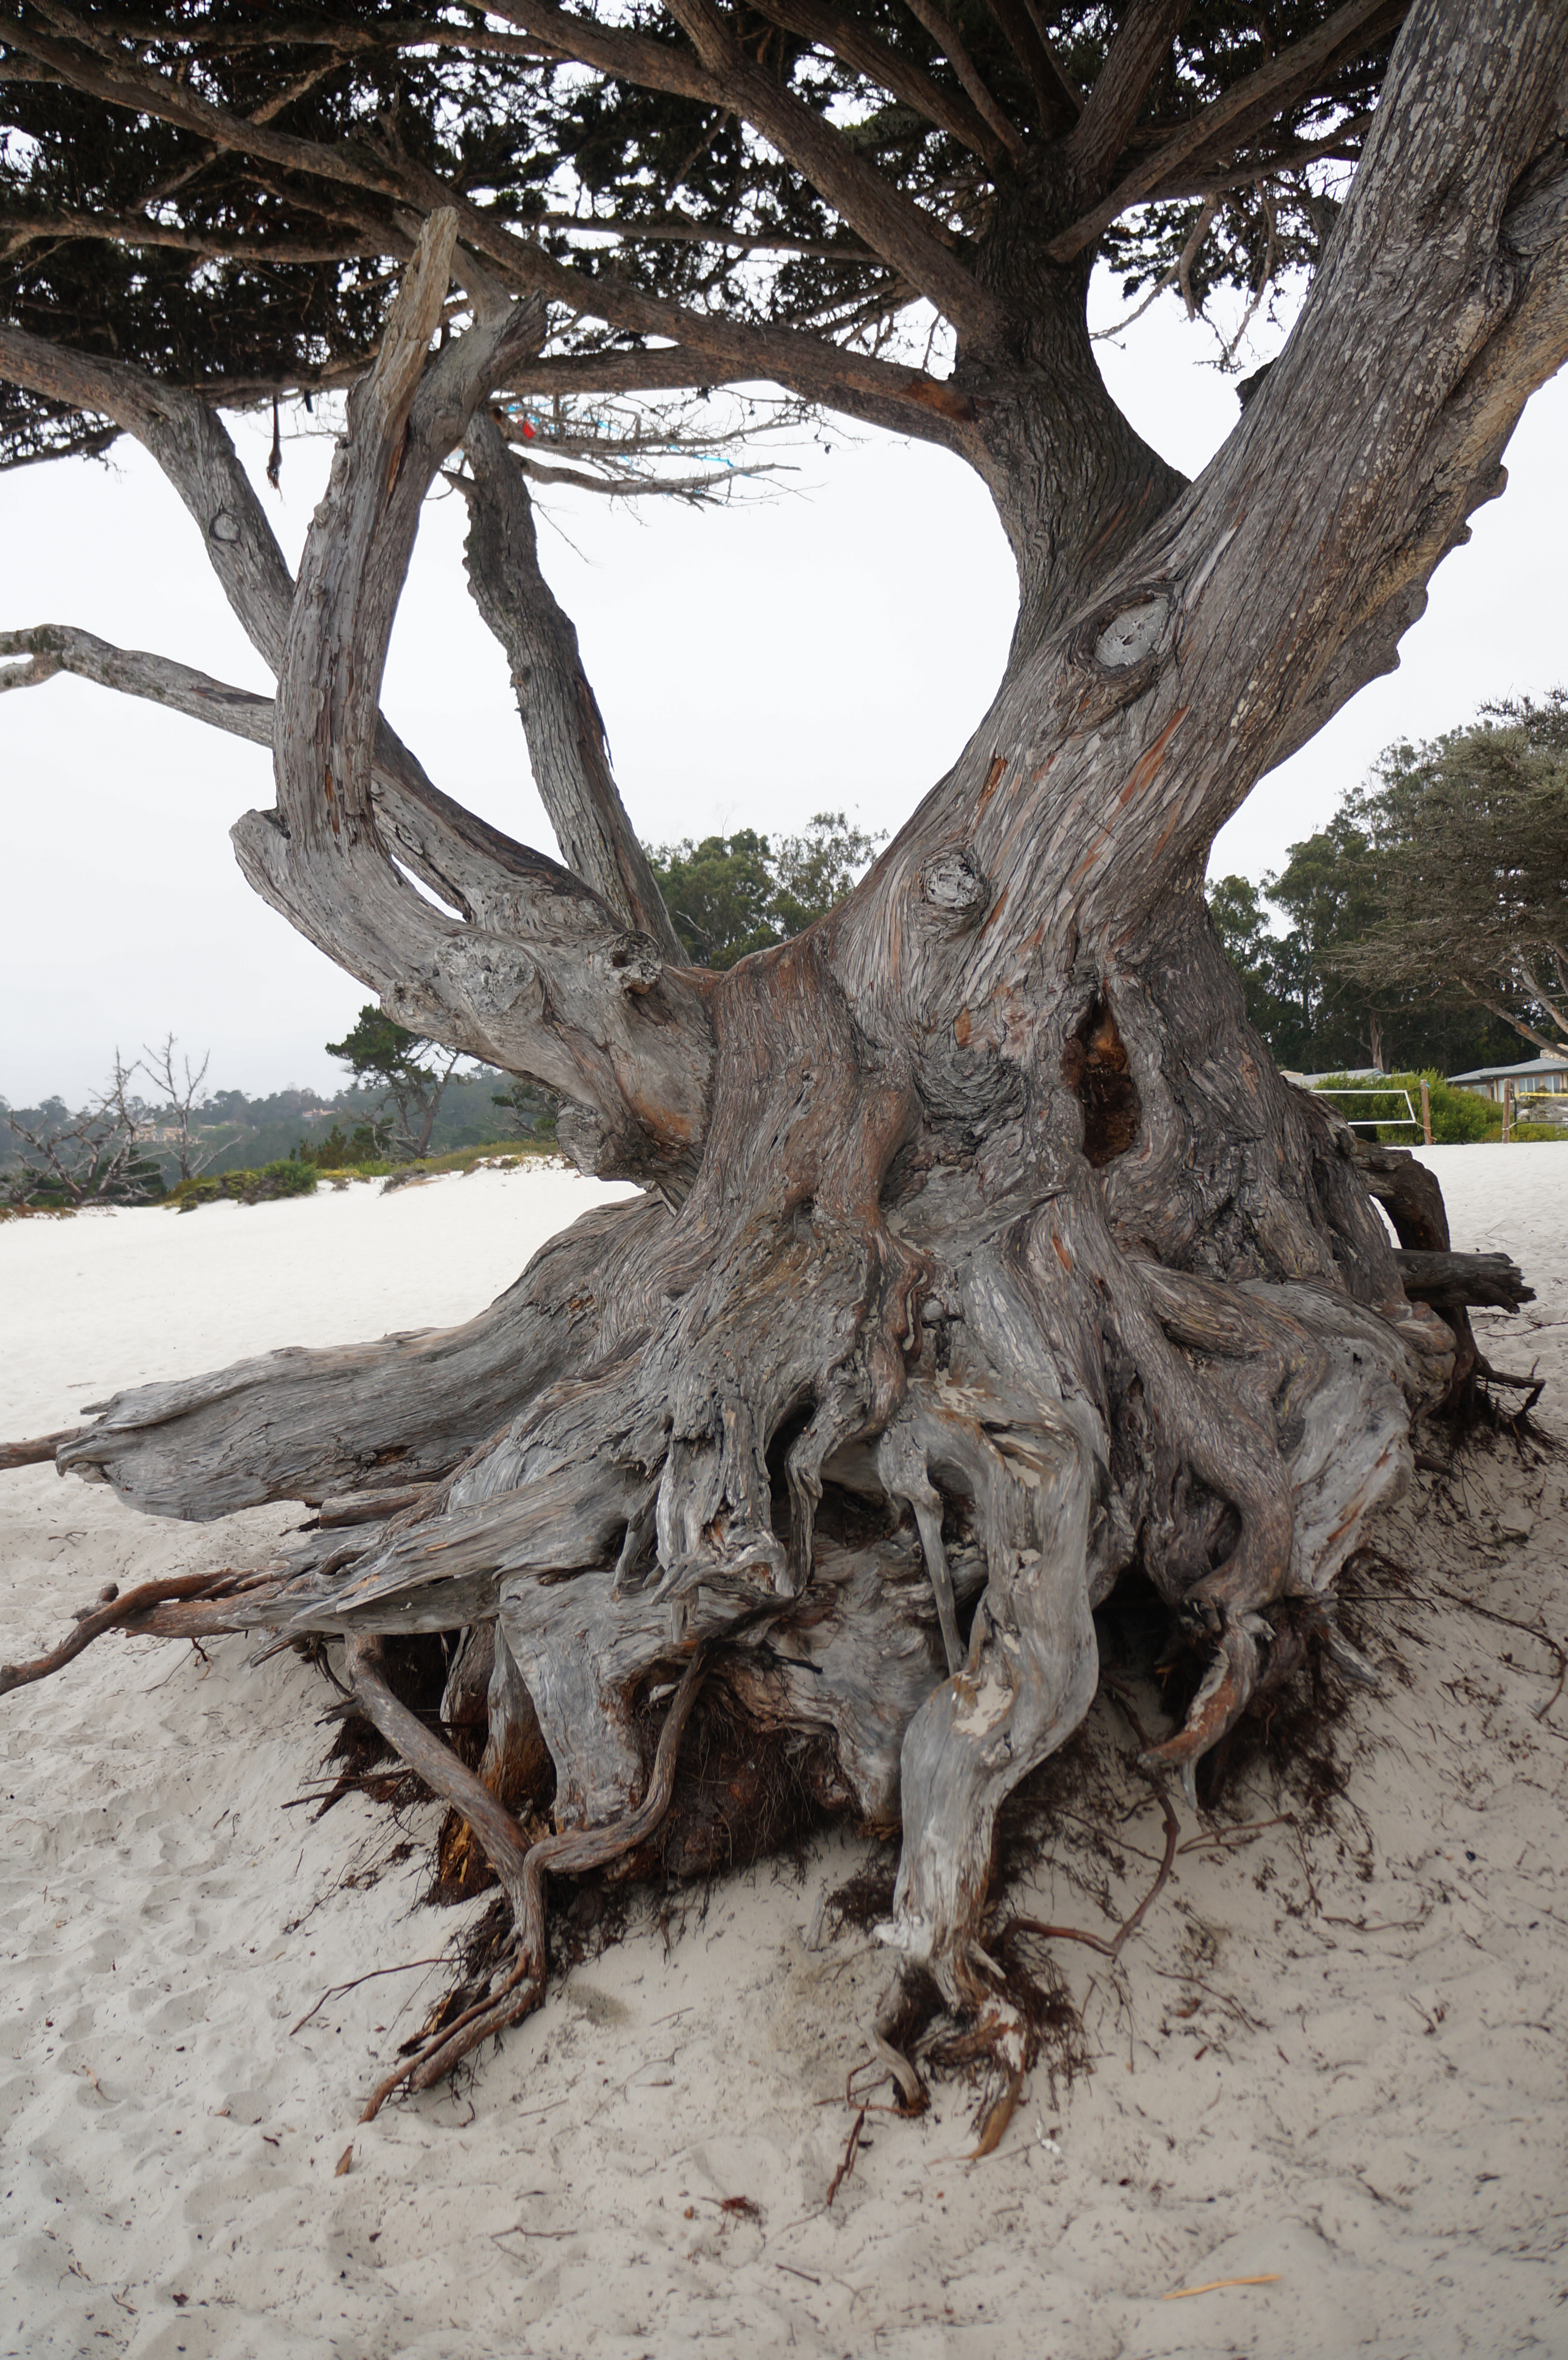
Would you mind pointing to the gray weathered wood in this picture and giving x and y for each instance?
(994, 1254)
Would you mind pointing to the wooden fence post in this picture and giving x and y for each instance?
(1426, 1113)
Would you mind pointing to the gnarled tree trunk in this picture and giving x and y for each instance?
(985, 1255)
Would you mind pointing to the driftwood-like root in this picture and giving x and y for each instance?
(184, 1605)
(882, 1487)
(572, 1852)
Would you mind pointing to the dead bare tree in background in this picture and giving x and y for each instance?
(178, 1103)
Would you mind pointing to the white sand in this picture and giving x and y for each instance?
(1355, 2083)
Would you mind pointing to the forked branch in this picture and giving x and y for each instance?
(549, 990)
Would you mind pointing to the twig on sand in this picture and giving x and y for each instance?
(334, 1990)
(851, 2150)
(1525, 1631)
(1212, 2286)
(1112, 1948)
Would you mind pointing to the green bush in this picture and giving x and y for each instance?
(284, 1178)
(338, 1152)
(1459, 1117)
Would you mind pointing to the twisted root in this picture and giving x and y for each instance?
(522, 1872)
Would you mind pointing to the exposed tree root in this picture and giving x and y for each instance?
(1112, 1947)
(572, 1852)
(36, 1453)
(151, 1607)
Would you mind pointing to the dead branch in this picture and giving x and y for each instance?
(34, 1453)
(129, 1608)
(572, 1852)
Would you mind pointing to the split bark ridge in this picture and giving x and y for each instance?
(983, 1255)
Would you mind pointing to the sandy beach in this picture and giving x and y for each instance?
(1331, 2062)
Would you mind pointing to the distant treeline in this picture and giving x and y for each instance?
(234, 1132)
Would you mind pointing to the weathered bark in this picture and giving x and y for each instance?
(540, 961)
(567, 746)
(995, 1256)
(300, 1425)
(1449, 1281)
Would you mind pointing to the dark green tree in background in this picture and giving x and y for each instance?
(729, 895)
(1427, 924)
(1472, 911)
(412, 1079)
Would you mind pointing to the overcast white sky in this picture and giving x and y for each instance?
(831, 648)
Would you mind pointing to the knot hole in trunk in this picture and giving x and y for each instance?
(1094, 1066)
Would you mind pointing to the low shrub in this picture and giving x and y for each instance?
(1459, 1117)
(284, 1178)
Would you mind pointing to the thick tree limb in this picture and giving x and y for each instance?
(470, 865)
(138, 231)
(501, 887)
(589, 1012)
(830, 29)
(305, 1425)
(1059, 104)
(567, 748)
(1404, 442)
(39, 1451)
(56, 648)
(893, 226)
(1450, 1280)
(1141, 44)
(455, 864)
(951, 44)
(627, 55)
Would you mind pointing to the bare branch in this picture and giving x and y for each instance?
(56, 648)
(86, 1158)
(567, 746)
(180, 1097)
(1059, 102)
(135, 230)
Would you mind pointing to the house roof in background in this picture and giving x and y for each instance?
(1510, 1073)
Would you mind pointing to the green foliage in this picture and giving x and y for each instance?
(277, 278)
(1471, 832)
(287, 1177)
(529, 1109)
(378, 1050)
(1241, 921)
(1426, 923)
(106, 1181)
(730, 895)
(339, 1152)
(381, 1052)
(1459, 1117)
